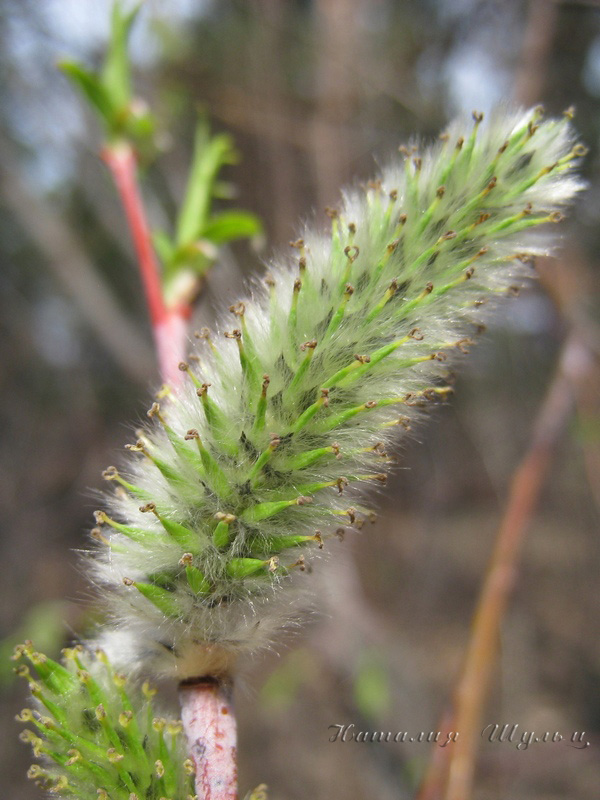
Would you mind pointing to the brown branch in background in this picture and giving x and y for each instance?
(451, 770)
(454, 768)
(588, 412)
(471, 692)
(210, 727)
(70, 265)
(576, 382)
(570, 282)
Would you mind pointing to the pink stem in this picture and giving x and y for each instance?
(170, 336)
(169, 325)
(209, 724)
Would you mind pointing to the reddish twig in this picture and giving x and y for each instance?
(169, 325)
(437, 768)
(451, 774)
(210, 728)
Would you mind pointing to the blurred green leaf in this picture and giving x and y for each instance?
(45, 624)
(229, 225)
(210, 155)
(224, 190)
(279, 690)
(90, 86)
(260, 793)
(116, 76)
(197, 257)
(587, 429)
(198, 231)
(163, 246)
(139, 123)
(371, 686)
(109, 92)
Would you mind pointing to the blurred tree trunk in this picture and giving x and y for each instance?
(532, 69)
(268, 59)
(338, 50)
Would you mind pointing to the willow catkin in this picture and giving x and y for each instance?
(267, 449)
(97, 733)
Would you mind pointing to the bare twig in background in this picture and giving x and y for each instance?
(451, 770)
(569, 282)
(471, 691)
(588, 410)
(77, 277)
(575, 384)
(454, 766)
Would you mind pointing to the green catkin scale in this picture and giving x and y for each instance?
(97, 734)
(247, 468)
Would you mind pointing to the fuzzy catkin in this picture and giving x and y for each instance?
(98, 734)
(290, 411)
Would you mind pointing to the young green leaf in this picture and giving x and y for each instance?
(116, 76)
(210, 155)
(91, 87)
(230, 225)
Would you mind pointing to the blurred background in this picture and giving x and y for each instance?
(315, 92)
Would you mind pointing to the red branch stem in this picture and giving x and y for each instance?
(209, 724)
(169, 325)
